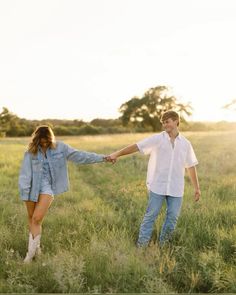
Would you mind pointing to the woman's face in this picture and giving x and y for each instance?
(44, 143)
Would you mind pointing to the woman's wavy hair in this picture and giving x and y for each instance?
(41, 132)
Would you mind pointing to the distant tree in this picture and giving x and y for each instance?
(7, 120)
(5, 117)
(106, 122)
(89, 129)
(78, 123)
(147, 110)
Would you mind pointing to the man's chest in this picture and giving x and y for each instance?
(171, 151)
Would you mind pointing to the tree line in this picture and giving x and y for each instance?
(138, 114)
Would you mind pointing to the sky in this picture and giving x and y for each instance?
(81, 59)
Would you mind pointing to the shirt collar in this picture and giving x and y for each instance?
(178, 137)
(41, 150)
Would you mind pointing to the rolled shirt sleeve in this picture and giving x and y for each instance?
(191, 159)
(146, 145)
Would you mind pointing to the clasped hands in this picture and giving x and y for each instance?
(111, 158)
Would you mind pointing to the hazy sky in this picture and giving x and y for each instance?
(82, 59)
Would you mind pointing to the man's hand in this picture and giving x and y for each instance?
(197, 195)
(111, 158)
(194, 179)
(125, 151)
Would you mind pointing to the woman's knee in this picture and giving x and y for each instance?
(30, 217)
(37, 219)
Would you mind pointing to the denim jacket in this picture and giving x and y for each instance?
(32, 169)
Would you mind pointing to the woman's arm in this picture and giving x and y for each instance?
(82, 157)
(25, 176)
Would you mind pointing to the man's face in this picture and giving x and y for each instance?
(169, 125)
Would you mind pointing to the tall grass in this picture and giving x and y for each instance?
(90, 232)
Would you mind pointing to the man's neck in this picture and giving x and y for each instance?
(173, 134)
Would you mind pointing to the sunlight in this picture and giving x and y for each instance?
(86, 69)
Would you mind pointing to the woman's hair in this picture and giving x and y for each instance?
(41, 132)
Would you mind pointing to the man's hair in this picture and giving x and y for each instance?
(170, 115)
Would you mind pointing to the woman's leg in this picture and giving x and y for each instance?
(41, 208)
(30, 206)
(36, 213)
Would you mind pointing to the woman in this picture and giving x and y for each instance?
(43, 175)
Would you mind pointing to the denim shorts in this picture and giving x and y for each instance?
(46, 187)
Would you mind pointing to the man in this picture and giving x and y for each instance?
(170, 153)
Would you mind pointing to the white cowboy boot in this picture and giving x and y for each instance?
(28, 258)
(32, 247)
(38, 250)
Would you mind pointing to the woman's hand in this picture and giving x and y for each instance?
(110, 158)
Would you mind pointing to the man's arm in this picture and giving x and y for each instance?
(194, 179)
(130, 149)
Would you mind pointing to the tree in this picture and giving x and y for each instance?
(147, 110)
(105, 122)
(6, 119)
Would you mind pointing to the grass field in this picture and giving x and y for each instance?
(90, 232)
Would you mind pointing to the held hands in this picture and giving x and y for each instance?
(125, 151)
(111, 158)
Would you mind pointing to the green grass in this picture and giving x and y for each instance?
(90, 232)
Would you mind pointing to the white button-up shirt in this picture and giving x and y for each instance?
(167, 163)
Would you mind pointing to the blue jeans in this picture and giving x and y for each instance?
(172, 213)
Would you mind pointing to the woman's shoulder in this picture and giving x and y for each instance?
(59, 145)
(27, 152)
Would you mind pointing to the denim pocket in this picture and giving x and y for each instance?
(36, 165)
(58, 159)
(57, 155)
